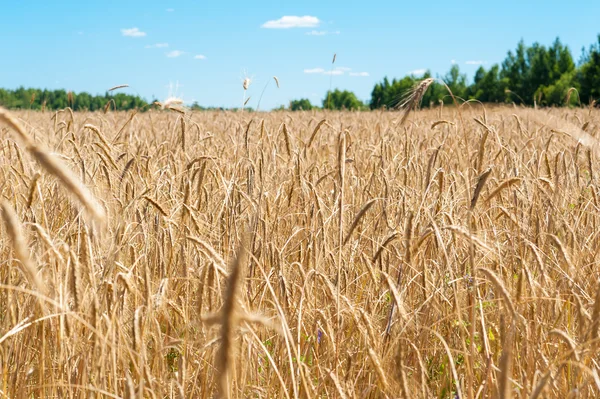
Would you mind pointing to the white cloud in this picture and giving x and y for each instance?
(453, 62)
(417, 72)
(478, 62)
(314, 70)
(80, 33)
(175, 53)
(336, 71)
(291, 21)
(170, 9)
(133, 32)
(322, 33)
(199, 57)
(361, 74)
(158, 45)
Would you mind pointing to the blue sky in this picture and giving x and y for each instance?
(201, 51)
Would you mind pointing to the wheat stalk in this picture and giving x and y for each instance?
(53, 166)
(229, 320)
(412, 99)
(13, 228)
(118, 87)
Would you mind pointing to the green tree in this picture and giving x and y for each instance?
(382, 95)
(556, 93)
(342, 100)
(376, 96)
(488, 86)
(531, 70)
(302, 104)
(588, 76)
(390, 95)
(398, 90)
(83, 101)
(514, 69)
(456, 82)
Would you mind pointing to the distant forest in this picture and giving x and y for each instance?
(22, 98)
(536, 74)
(546, 76)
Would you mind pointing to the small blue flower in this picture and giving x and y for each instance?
(469, 280)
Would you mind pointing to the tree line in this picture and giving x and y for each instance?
(529, 75)
(38, 99)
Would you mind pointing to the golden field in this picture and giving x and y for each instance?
(300, 255)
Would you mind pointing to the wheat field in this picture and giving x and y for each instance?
(170, 254)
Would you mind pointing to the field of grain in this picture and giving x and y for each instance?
(311, 255)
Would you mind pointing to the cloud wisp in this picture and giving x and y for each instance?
(314, 70)
(199, 57)
(322, 32)
(175, 53)
(477, 62)
(132, 32)
(359, 74)
(157, 45)
(292, 21)
(417, 71)
(335, 72)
